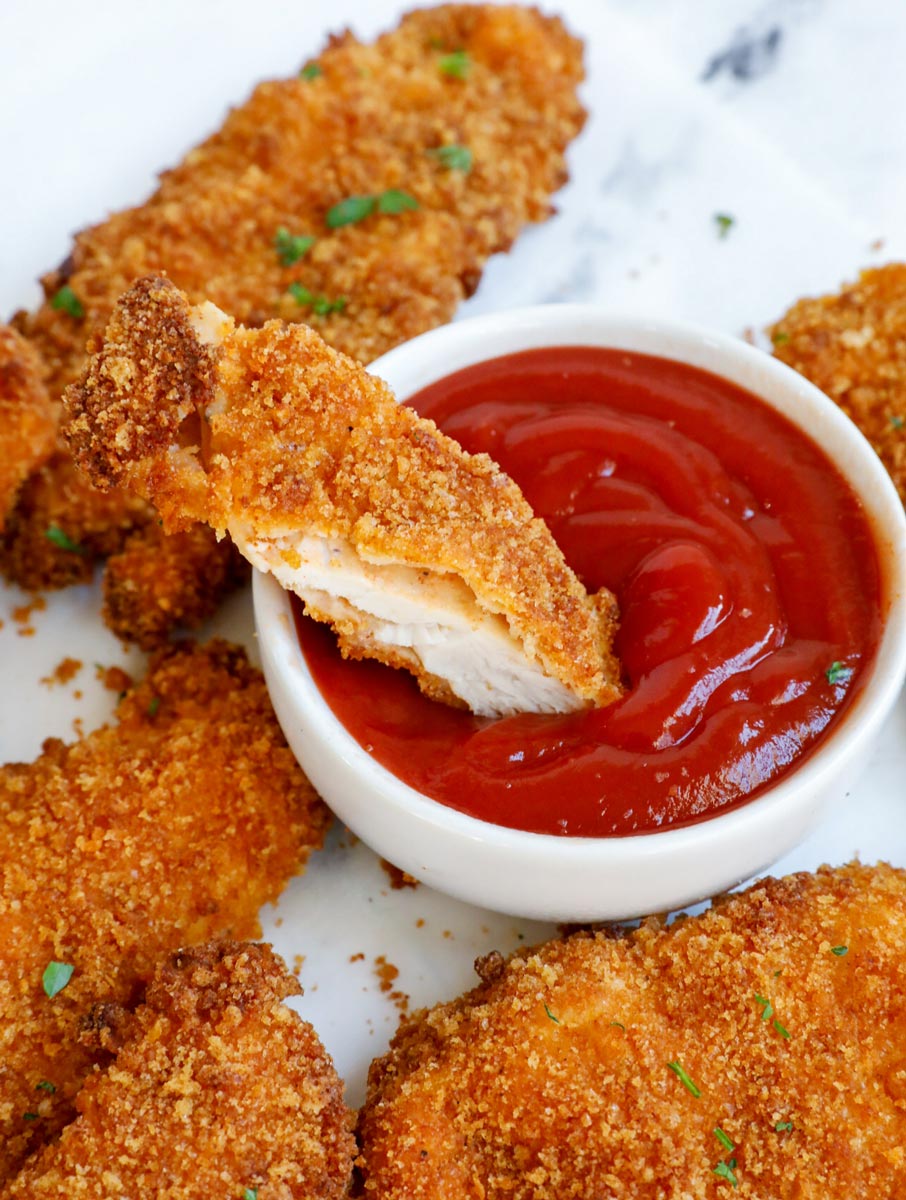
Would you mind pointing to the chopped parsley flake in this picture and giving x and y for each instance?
(767, 1008)
(350, 210)
(784, 1033)
(454, 157)
(783, 1127)
(311, 71)
(394, 201)
(318, 304)
(67, 301)
(839, 950)
(556, 1020)
(779, 338)
(898, 422)
(249, 1194)
(725, 1170)
(457, 65)
(56, 976)
(838, 672)
(44, 1086)
(619, 1025)
(724, 223)
(30, 1116)
(154, 706)
(291, 247)
(684, 1079)
(724, 1140)
(55, 534)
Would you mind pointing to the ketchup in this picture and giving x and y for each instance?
(747, 576)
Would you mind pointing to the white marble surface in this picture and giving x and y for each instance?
(783, 113)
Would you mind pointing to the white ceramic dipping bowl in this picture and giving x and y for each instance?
(590, 879)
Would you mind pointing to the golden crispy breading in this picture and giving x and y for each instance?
(61, 525)
(499, 82)
(173, 825)
(852, 345)
(370, 121)
(28, 419)
(605, 1065)
(217, 1090)
(292, 439)
(159, 581)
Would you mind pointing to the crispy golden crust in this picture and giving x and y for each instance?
(217, 1087)
(160, 581)
(552, 1080)
(364, 125)
(173, 825)
(852, 345)
(28, 419)
(291, 436)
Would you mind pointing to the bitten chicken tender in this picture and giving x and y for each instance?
(415, 552)
(754, 1051)
(171, 826)
(28, 419)
(448, 136)
(852, 345)
(217, 1089)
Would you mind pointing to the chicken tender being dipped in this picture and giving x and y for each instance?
(28, 419)
(217, 1089)
(755, 1051)
(415, 552)
(173, 825)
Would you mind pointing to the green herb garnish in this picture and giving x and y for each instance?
(684, 1079)
(318, 304)
(249, 1194)
(394, 201)
(839, 950)
(44, 1086)
(783, 1127)
(898, 422)
(457, 65)
(67, 301)
(454, 157)
(619, 1025)
(724, 223)
(154, 706)
(725, 1170)
(290, 247)
(767, 1008)
(56, 976)
(55, 534)
(30, 1116)
(350, 210)
(311, 71)
(556, 1020)
(724, 1140)
(779, 338)
(838, 672)
(784, 1033)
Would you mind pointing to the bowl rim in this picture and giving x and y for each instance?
(480, 338)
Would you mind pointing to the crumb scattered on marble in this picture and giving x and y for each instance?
(65, 671)
(79, 727)
(278, 921)
(420, 923)
(448, 934)
(360, 957)
(77, 694)
(115, 679)
(387, 975)
(398, 878)
(877, 244)
(748, 335)
(298, 960)
(22, 614)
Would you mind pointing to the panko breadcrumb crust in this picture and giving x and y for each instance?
(28, 419)
(280, 433)
(781, 1009)
(217, 1090)
(852, 345)
(368, 120)
(175, 824)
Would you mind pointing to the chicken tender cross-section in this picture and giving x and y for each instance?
(217, 1089)
(852, 345)
(754, 1051)
(440, 142)
(28, 419)
(173, 825)
(417, 553)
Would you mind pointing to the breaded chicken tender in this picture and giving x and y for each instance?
(28, 419)
(175, 824)
(756, 1050)
(439, 142)
(852, 345)
(415, 552)
(217, 1090)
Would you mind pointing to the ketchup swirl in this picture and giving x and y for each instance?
(744, 566)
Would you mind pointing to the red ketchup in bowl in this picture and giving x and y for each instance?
(749, 588)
